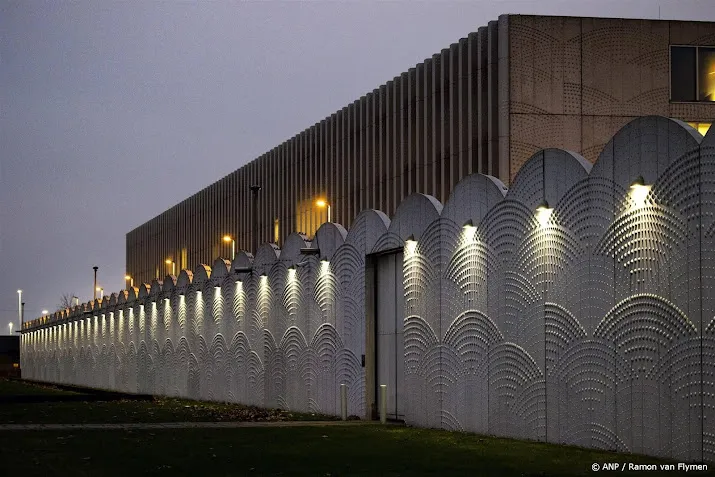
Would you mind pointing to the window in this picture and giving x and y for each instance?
(702, 128)
(692, 73)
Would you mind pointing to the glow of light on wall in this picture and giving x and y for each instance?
(639, 192)
(291, 273)
(469, 231)
(324, 266)
(543, 213)
(410, 244)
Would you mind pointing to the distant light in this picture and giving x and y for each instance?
(44, 312)
(98, 288)
(227, 238)
(639, 191)
(19, 291)
(127, 277)
(543, 213)
(411, 244)
(321, 203)
(168, 262)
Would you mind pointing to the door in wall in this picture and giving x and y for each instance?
(390, 344)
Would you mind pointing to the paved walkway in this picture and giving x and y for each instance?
(178, 425)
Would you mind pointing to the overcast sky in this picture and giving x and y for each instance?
(112, 112)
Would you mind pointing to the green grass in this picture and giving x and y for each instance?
(329, 451)
(129, 411)
(157, 410)
(18, 388)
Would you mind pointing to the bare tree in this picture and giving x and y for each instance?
(67, 300)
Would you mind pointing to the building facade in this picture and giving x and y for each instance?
(485, 104)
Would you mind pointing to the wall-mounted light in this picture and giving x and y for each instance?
(168, 261)
(129, 279)
(229, 239)
(323, 203)
(543, 213)
(410, 244)
(469, 230)
(639, 191)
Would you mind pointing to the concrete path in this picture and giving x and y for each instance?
(178, 425)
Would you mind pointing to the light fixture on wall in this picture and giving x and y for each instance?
(168, 261)
(129, 279)
(469, 230)
(228, 238)
(323, 203)
(639, 191)
(410, 244)
(543, 213)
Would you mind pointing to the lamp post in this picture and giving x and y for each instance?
(254, 189)
(95, 268)
(101, 291)
(322, 203)
(129, 279)
(173, 265)
(19, 307)
(228, 238)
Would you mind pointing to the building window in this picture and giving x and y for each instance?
(702, 128)
(692, 73)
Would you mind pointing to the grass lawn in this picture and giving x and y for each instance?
(17, 388)
(331, 451)
(126, 411)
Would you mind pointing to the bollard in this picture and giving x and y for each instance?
(383, 403)
(344, 401)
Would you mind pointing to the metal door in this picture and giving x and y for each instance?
(390, 343)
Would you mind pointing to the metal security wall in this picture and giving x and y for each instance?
(590, 321)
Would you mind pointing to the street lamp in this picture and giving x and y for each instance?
(322, 203)
(228, 238)
(129, 279)
(173, 265)
(101, 290)
(44, 312)
(10, 326)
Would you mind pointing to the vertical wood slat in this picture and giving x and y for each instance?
(411, 132)
(493, 98)
(455, 157)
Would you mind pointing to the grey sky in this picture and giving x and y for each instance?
(112, 112)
